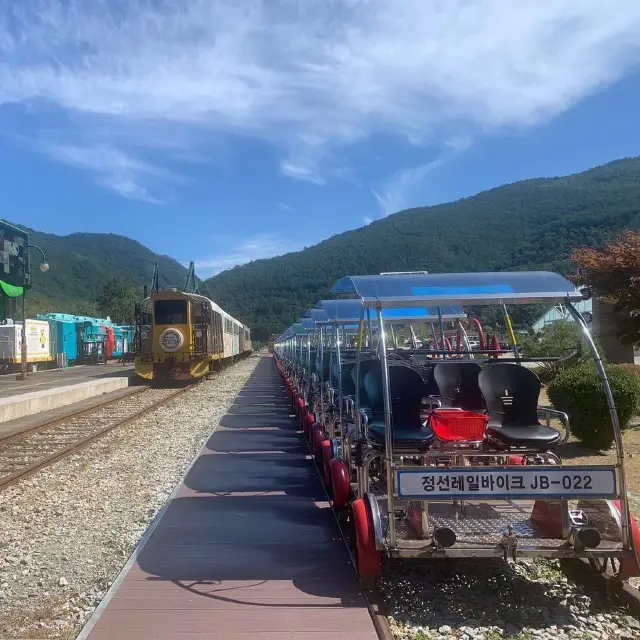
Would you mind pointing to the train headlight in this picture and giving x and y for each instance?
(171, 340)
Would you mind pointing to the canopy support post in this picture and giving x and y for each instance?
(388, 433)
(615, 422)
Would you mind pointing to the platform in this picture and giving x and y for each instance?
(49, 390)
(247, 548)
(42, 380)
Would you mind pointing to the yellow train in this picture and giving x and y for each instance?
(184, 336)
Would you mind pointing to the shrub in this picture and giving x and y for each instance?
(554, 340)
(578, 392)
(634, 368)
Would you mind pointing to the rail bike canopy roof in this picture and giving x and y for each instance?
(317, 315)
(347, 312)
(505, 287)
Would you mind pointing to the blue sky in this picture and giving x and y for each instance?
(228, 130)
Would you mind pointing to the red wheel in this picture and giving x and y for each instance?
(630, 567)
(340, 482)
(368, 563)
(317, 438)
(327, 456)
(307, 427)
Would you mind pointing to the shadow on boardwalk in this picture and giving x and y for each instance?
(251, 519)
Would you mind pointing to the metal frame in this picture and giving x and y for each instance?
(378, 304)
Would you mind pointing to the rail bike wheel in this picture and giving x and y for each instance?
(629, 567)
(340, 483)
(307, 428)
(327, 456)
(317, 438)
(368, 563)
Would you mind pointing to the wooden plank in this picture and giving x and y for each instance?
(266, 620)
(248, 549)
(223, 634)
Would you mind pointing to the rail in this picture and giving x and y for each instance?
(30, 450)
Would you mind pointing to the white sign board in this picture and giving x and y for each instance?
(525, 482)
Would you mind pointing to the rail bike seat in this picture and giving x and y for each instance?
(348, 387)
(511, 394)
(458, 385)
(407, 389)
(365, 367)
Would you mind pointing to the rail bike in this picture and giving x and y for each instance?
(432, 452)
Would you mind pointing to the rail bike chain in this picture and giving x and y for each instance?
(28, 451)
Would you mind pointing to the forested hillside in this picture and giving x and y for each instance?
(532, 224)
(81, 263)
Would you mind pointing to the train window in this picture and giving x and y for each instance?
(171, 311)
(146, 317)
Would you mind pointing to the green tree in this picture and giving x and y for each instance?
(554, 340)
(118, 298)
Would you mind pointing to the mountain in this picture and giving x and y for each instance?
(81, 263)
(533, 224)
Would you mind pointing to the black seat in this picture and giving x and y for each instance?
(511, 394)
(458, 385)
(365, 367)
(407, 389)
(348, 387)
(428, 375)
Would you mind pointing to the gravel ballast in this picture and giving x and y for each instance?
(487, 600)
(66, 532)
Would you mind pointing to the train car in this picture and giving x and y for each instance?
(84, 339)
(245, 340)
(39, 348)
(123, 341)
(64, 340)
(183, 336)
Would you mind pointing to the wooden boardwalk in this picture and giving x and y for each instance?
(248, 549)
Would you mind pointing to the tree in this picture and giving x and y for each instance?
(554, 340)
(613, 273)
(117, 300)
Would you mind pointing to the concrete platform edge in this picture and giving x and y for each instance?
(27, 404)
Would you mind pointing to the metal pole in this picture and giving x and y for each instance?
(23, 346)
(321, 347)
(358, 418)
(388, 433)
(370, 326)
(617, 434)
(339, 356)
(441, 323)
(465, 339)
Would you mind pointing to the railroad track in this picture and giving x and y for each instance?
(26, 452)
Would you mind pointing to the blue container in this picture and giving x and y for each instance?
(65, 339)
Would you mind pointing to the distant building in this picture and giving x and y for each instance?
(560, 313)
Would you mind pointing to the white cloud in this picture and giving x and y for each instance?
(244, 250)
(311, 77)
(401, 189)
(394, 196)
(114, 169)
